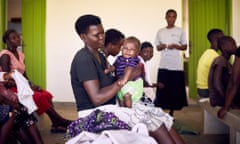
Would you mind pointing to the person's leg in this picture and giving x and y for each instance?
(29, 135)
(35, 134)
(43, 100)
(121, 103)
(127, 98)
(162, 136)
(6, 129)
(23, 136)
(59, 124)
(120, 97)
(176, 137)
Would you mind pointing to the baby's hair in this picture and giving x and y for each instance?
(146, 44)
(84, 22)
(135, 40)
(6, 34)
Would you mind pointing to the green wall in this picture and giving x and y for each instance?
(33, 30)
(203, 16)
(2, 20)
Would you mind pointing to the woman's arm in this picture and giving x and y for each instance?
(5, 63)
(176, 46)
(99, 95)
(10, 61)
(161, 47)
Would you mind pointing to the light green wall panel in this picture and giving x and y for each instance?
(33, 30)
(2, 20)
(203, 16)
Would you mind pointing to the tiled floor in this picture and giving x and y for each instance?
(189, 117)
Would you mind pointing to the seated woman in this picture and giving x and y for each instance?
(11, 58)
(92, 87)
(14, 119)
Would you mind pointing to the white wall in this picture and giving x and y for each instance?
(14, 9)
(236, 20)
(133, 17)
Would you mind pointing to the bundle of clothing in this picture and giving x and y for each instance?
(111, 124)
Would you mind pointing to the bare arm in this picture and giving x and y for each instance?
(5, 63)
(127, 75)
(176, 46)
(136, 72)
(161, 47)
(217, 78)
(232, 88)
(99, 95)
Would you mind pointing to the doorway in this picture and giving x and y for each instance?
(14, 15)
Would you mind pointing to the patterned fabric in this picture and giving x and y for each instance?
(141, 112)
(121, 63)
(96, 122)
(4, 113)
(23, 119)
(42, 99)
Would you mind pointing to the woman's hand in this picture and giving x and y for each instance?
(7, 76)
(10, 83)
(7, 94)
(158, 85)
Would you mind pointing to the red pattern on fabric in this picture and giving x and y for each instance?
(41, 98)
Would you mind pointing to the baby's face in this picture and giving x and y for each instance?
(129, 49)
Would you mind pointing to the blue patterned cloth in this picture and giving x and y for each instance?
(95, 122)
(4, 113)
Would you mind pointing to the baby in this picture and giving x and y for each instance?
(123, 67)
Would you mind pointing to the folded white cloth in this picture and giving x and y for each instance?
(1, 76)
(24, 92)
(83, 138)
(153, 117)
(138, 135)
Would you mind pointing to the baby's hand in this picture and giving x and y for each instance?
(107, 71)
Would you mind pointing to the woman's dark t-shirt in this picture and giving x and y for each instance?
(85, 67)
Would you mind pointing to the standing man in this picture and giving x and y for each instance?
(171, 42)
